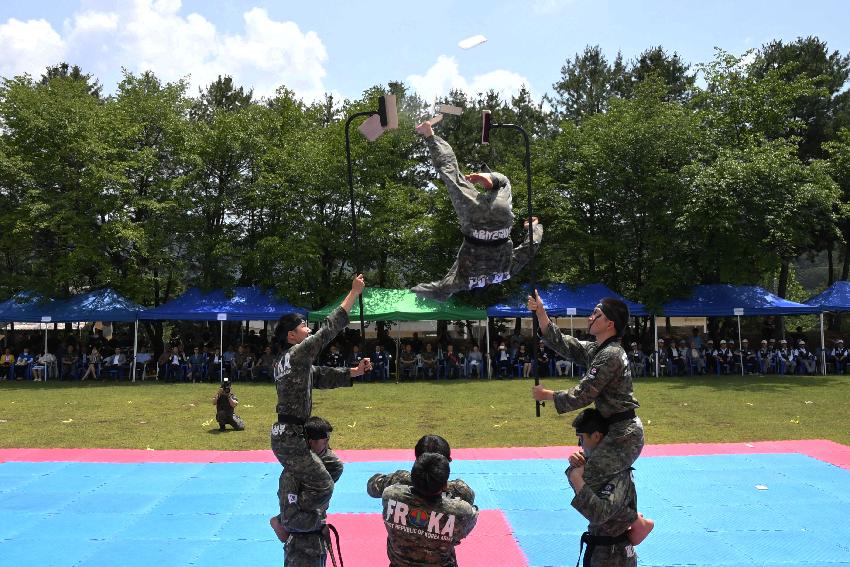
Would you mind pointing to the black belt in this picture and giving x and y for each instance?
(622, 416)
(592, 541)
(480, 242)
(290, 419)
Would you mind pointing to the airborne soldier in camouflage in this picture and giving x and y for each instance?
(295, 378)
(423, 525)
(607, 382)
(607, 503)
(487, 255)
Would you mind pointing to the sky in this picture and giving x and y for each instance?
(344, 47)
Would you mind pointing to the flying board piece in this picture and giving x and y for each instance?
(471, 42)
(436, 119)
(385, 119)
(449, 109)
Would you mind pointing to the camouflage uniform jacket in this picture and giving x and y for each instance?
(484, 215)
(294, 373)
(608, 380)
(455, 488)
(423, 531)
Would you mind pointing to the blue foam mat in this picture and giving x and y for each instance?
(708, 511)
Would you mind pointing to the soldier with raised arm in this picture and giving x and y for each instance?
(487, 255)
(295, 377)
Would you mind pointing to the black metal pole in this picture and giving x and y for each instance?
(354, 238)
(534, 323)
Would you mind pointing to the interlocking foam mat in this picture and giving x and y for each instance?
(743, 504)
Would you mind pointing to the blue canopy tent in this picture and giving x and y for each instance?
(562, 300)
(727, 300)
(835, 298)
(246, 304)
(98, 305)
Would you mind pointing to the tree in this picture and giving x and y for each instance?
(670, 69)
(587, 84)
(63, 71)
(814, 111)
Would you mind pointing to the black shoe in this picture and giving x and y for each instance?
(221, 428)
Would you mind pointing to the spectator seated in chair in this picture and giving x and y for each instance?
(115, 364)
(503, 361)
(69, 362)
(380, 363)
(264, 369)
(197, 365)
(637, 360)
(838, 357)
(806, 359)
(407, 360)
(23, 365)
(475, 361)
(429, 361)
(452, 363)
(93, 364)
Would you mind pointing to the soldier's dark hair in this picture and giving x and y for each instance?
(317, 428)
(286, 323)
(430, 474)
(590, 421)
(433, 444)
(617, 312)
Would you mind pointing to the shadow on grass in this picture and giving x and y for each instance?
(769, 383)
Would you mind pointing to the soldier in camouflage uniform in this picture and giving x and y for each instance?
(306, 539)
(607, 382)
(427, 444)
(487, 255)
(607, 503)
(423, 525)
(295, 377)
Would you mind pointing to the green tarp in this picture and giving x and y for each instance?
(402, 305)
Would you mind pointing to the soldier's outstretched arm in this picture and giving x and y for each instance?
(445, 162)
(378, 482)
(563, 344)
(310, 347)
(603, 370)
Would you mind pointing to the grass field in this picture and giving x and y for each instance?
(387, 415)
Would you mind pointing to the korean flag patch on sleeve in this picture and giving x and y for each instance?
(293, 498)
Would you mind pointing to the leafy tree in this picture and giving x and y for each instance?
(587, 84)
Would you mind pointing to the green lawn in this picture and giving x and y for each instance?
(467, 413)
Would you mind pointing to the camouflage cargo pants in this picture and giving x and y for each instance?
(304, 550)
(291, 449)
(480, 266)
(618, 451)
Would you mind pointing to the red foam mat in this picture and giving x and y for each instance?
(823, 450)
(490, 543)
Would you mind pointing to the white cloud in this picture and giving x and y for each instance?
(155, 35)
(445, 75)
(28, 47)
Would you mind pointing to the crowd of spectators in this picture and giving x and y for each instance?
(697, 355)
(442, 358)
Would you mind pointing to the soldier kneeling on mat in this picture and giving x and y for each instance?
(608, 504)
(423, 524)
(225, 403)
